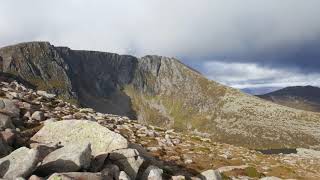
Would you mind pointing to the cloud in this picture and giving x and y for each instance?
(249, 75)
(179, 28)
(268, 33)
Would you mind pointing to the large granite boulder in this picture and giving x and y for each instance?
(211, 175)
(20, 163)
(102, 140)
(77, 175)
(152, 173)
(70, 158)
(46, 95)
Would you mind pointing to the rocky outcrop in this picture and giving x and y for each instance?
(211, 174)
(152, 173)
(73, 132)
(77, 175)
(40, 64)
(20, 163)
(70, 158)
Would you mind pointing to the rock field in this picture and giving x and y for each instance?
(42, 137)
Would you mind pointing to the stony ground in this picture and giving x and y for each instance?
(44, 137)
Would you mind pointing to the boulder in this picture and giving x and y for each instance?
(128, 160)
(50, 120)
(102, 140)
(38, 115)
(20, 163)
(152, 173)
(5, 122)
(308, 153)
(211, 175)
(44, 149)
(110, 171)
(8, 136)
(124, 176)
(5, 149)
(180, 177)
(70, 158)
(46, 95)
(270, 178)
(34, 177)
(76, 175)
(9, 108)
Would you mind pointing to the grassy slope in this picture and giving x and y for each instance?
(186, 101)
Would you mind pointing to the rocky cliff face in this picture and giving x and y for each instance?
(92, 79)
(40, 64)
(161, 91)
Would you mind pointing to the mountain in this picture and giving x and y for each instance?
(259, 90)
(300, 97)
(160, 91)
(46, 138)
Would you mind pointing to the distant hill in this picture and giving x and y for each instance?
(259, 90)
(299, 97)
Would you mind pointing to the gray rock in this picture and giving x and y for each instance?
(152, 173)
(50, 120)
(211, 175)
(20, 163)
(9, 108)
(195, 178)
(45, 94)
(5, 122)
(102, 140)
(44, 149)
(178, 177)
(8, 136)
(5, 149)
(98, 162)
(308, 153)
(142, 152)
(128, 160)
(124, 176)
(77, 176)
(19, 178)
(27, 115)
(110, 171)
(70, 158)
(38, 115)
(270, 178)
(34, 177)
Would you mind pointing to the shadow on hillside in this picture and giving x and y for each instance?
(11, 77)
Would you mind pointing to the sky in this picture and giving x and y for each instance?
(244, 44)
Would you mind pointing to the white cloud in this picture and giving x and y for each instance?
(166, 27)
(248, 75)
(195, 29)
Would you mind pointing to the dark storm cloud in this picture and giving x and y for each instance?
(273, 35)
